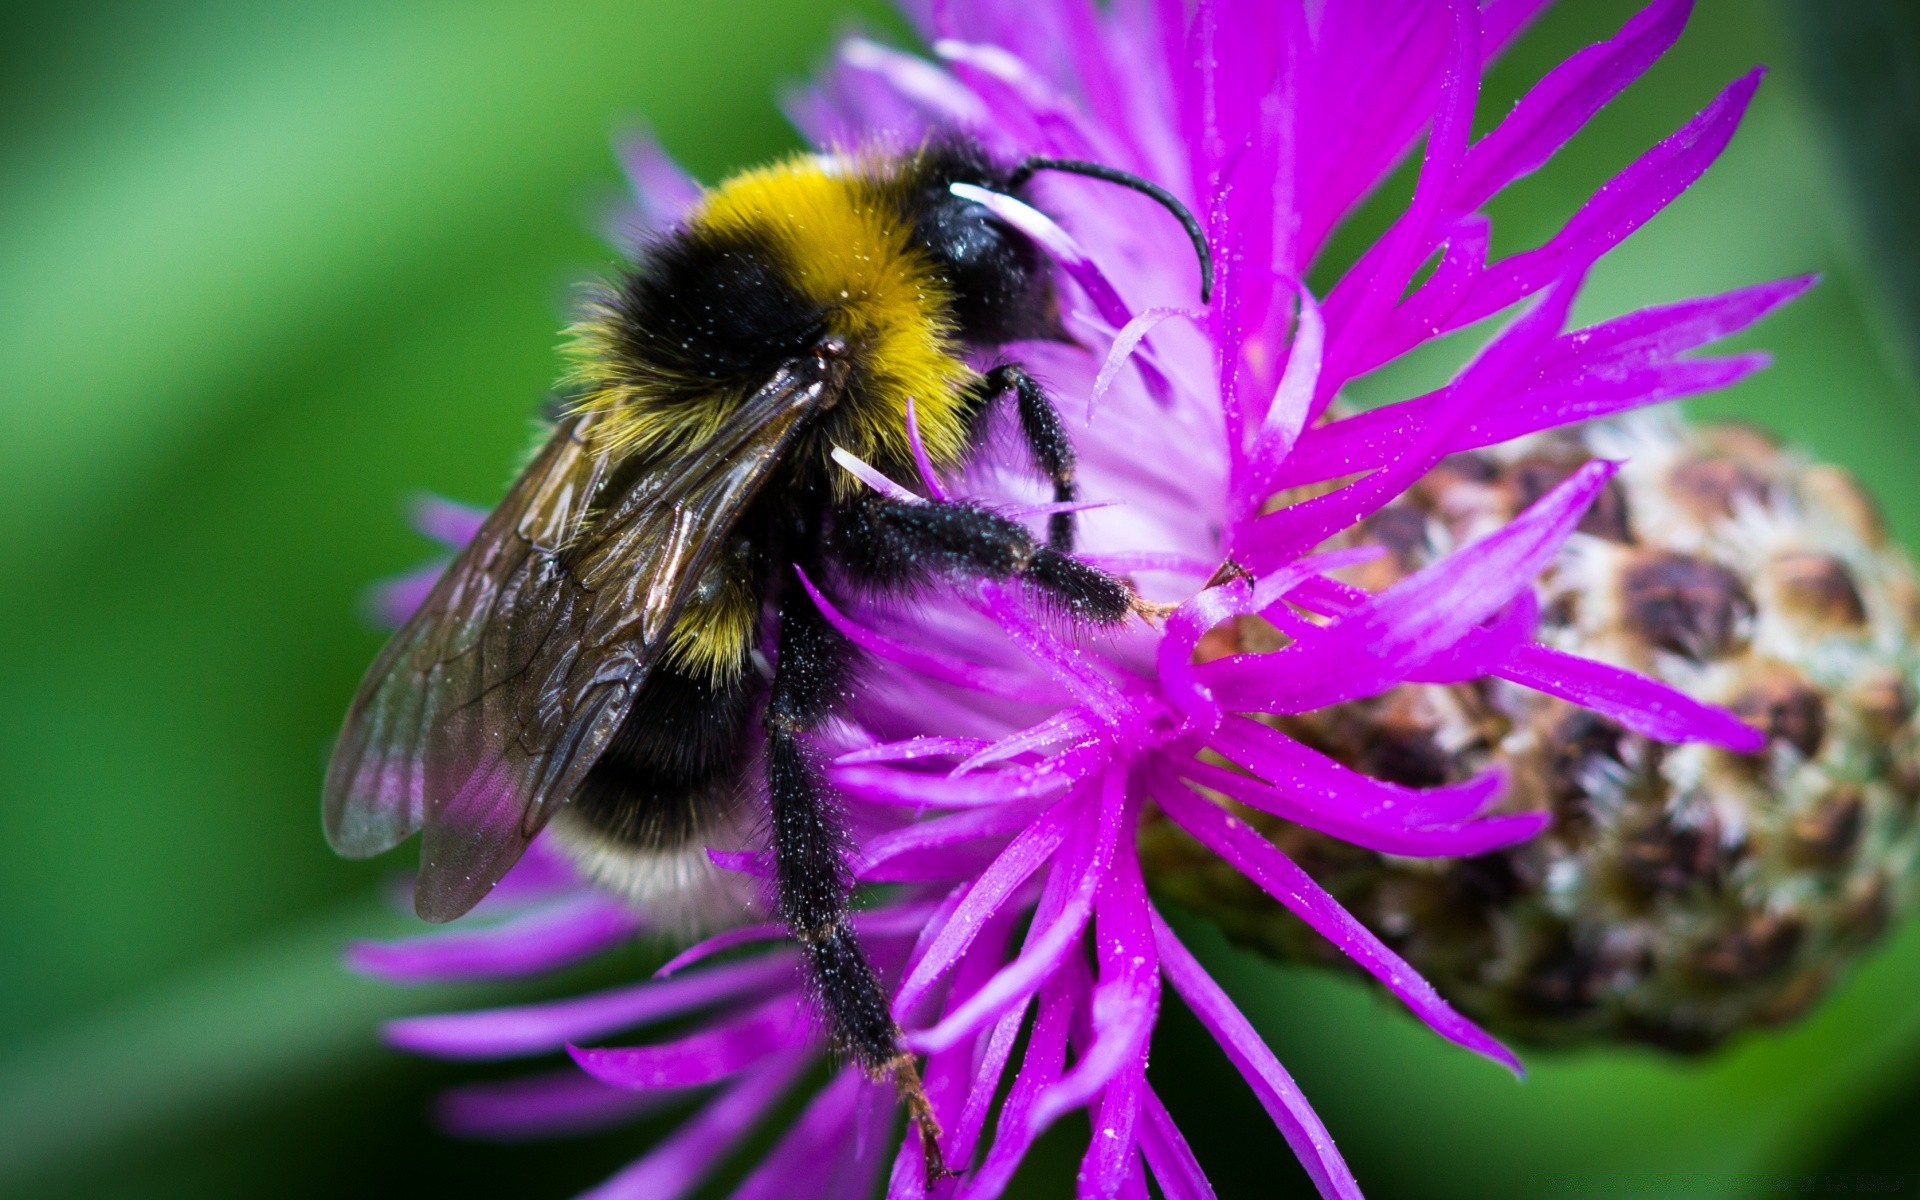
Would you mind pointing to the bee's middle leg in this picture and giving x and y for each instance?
(893, 543)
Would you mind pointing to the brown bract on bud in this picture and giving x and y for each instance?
(1682, 894)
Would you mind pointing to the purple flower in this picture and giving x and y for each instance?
(997, 761)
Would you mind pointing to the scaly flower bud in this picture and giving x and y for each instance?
(1682, 893)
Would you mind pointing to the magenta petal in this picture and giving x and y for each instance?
(791, 1170)
(1127, 341)
(1278, 876)
(1366, 294)
(915, 748)
(933, 665)
(1614, 212)
(540, 1028)
(730, 939)
(1661, 332)
(663, 188)
(1062, 728)
(1174, 1167)
(1111, 1165)
(965, 1133)
(1278, 1094)
(678, 1164)
(1588, 373)
(1012, 87)
(918, 790)
(1046, 1054)
(1292, 401)
(1069, 666)
(963, 1080)
(1507, 20)
(1437, 841)
(921, 790)
(448, 522)
(1173, 659)
(1377, 71)
(866, 1140)
(1369, 440)
(1019, 979)
(1126, 995)
(1486, 647)
(1296, 529)
(1643, 705)
(892, 921)
(1071, 886)
(1624, 204)
(717, 1051)
(389, 603)
(926, 86)
(1320, 781)
(941, 833)
(1562, 103)
(929, 478)
(540, 939)
(984, 898)
(1409, 624)
(1601, 389)
(1467, 240)
(555, 1104)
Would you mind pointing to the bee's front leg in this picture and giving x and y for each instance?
(1046, 440)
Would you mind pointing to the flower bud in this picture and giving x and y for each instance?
(1682, 893)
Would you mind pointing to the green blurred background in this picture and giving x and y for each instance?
(267, 269)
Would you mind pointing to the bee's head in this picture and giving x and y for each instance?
(1002, 287)
(1002, 283)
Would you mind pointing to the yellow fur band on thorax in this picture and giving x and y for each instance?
(850, 251)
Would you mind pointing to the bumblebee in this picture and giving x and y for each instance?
(594, 662)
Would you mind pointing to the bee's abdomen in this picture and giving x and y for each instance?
(673, 769)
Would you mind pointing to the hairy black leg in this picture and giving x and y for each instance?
(809, 844)
(891, 543)
(1046, 439)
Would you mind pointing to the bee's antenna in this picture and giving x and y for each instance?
(1166, 199)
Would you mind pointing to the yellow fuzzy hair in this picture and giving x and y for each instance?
(712, 638)
(847, 250)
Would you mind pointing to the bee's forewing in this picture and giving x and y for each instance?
(378, 787)
(490, 705)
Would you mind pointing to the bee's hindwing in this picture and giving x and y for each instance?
(487, 709)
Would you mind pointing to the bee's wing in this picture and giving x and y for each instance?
(490, 705)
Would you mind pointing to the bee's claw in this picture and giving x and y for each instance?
(906, 1083)
(1226, 572)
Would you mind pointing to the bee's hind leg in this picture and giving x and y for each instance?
(809, 843)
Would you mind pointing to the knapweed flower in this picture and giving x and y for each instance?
(997, 762)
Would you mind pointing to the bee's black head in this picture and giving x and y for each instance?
(1002, 285)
